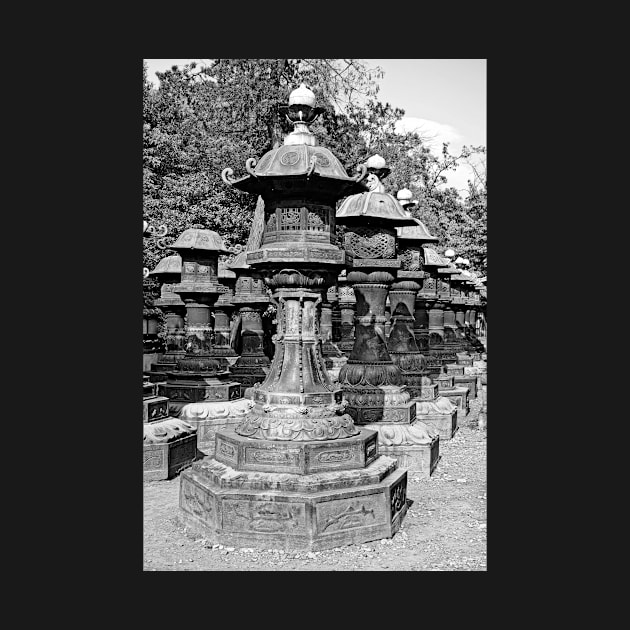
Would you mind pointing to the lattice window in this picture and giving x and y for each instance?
(411, 260)
(290, 218)
(316, 221)
(365, 242)
(429, 283)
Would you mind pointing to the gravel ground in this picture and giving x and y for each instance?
(444, 530)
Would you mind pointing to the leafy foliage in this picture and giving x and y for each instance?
(202, 119)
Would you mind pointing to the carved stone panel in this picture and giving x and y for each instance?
(252, 516)
(351, 513)
(197, 501)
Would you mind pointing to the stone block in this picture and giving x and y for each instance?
(423, 392)
(405, 412)
(419, 459)
(469, 381)
(180, 393)
(464, 359)
(452, 369)
(241, 515)
(459, 397)
(154, 408)
(444, 423)
(165, 461)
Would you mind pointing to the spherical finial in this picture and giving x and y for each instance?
(449, 253)
(376, 161)
(404, 195)
(302, 96)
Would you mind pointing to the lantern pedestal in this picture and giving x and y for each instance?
(169, 444)
(351, 495)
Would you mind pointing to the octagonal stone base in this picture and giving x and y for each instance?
(289, 511)
(420, 459)
(459, 396)
(165, 461)
(444, 423)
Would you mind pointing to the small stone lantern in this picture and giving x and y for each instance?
(373, 384)
(168, 273)
(201, 375)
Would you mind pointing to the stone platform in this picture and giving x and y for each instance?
(439, 414)
(202, 389)
(459, 396)
(333, 493)
(469, 381)
(208, 418)
(169, 447)
(420, 459)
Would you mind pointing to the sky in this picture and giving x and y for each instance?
(444, 99)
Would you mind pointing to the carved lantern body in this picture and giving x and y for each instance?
(334, 487)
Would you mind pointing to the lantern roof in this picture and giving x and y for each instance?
(416, 232)
(200, 239)
(299, 158)
(432, 258)
(168, 264)
(224, 272)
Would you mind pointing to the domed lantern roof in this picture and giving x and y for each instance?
(299, 162)
(374, 204)
(168, 265)
(416, 232)
(200, 238)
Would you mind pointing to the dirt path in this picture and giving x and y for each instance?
(444, 530)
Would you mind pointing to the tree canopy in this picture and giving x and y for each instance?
(202, 119)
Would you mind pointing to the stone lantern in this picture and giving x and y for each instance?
(168, 273)
(452, 340)
(296, 473)
(169, 444)
(250, 296)
(373, 384)
(202, 375)
(432, 297)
